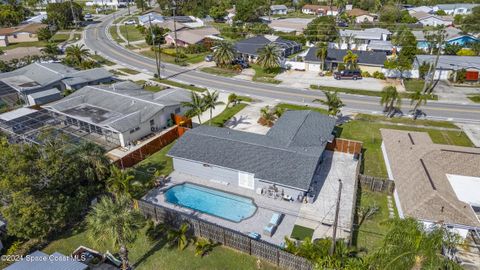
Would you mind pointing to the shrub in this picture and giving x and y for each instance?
(44, 33)
(195, 48)
(341, 67)
(328, 73)
(366, 74)
(379, 75)
(466, 52)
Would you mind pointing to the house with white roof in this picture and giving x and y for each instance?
(360, 39)
(425, 9)
(120, 113)
(278, 9)
(427, 19)
(455, 9)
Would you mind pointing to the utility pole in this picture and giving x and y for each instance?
(175, 28)
(75, 22)
(153, 45)
(335, 222)
(128, 7)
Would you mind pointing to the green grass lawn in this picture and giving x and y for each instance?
(300, 232)
(405, 120)
(168, 58)
(113, 32)
(181, 85)
(219, 71)
(133, 33)
(25, 44)
(101, 60)
(371, 232)
(413, 85)
(361, 91)
(129, 71)
(262, 75)
(154, 88)
(228, 113)
(474, 98)
(147, 255)
(60, 37)
(294, 107)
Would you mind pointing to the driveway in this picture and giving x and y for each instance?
(303, 79)
(246, 119)
(457, 94)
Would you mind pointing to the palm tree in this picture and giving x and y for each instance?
(93, 156)
(232, 99)
(77, 53)
(210, 101)
(179, 237)
(322, 53)
(333, 102)
(407, 245)
(350, 59)
(203, 246)
(390, 99)
(115, 221)
(51, 50)
(196, 106)
(267, 116)
(269, 57)
(224, 53)
(120, 182)
(419, 98)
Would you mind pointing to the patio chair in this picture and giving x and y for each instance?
(269, 229)
(272, 225)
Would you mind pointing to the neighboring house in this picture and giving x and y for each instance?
(320, 10)
(360, 15)
(151, 17)
(248, 49)
(434, 183)
(42, 261)
(121, 113)
(171, 26)
(36, 19)
(108, 3)
(455, 9)
(360, 39)
(181, 21)
(188, 37)
(367, 18)
(36, 82)
(448, 64)
(288, 156)
(427, 19)
(424, 9)
(370, 61)
(290, 25)
(278, 9)
(19, 34)
(453, 36)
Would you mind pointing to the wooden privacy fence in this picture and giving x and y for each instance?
(225, 236)
(345, 146)
(376, 184)
(151, 147)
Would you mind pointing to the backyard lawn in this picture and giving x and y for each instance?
(300, 232)
(147, 255)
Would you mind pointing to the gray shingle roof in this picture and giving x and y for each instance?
(287, 155)
(364, 57)
(43, 261)
(450, 62)
(278, 7)
(252, 45)
(121, 106)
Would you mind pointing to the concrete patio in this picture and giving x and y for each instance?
(317, 216)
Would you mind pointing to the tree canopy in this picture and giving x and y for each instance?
(471, 22)
(322, 29)
(43, 188)
(12, 14)
(60, 14)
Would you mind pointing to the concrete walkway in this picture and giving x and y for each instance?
(472, 131)
(246, 119)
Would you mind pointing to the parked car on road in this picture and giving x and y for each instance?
(209, 58)
(348, 74)
(244, 64)
(88, 17)
(130, 22)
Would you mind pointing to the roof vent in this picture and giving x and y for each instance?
(133, 102)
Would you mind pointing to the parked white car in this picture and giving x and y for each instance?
(130, 22)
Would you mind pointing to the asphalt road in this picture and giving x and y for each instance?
(98, 40)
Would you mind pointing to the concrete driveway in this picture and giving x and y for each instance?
(246, 119)
(456, 94)
(303, 79)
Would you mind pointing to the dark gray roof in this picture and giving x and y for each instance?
(287, 155)
(42, 261)
(252, 45)
(334, 55)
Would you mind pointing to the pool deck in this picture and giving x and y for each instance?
(335, 165)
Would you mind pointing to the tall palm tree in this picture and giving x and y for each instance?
(407, 245)
(418, 98)
(210, 101)
(269, 57)
(350, 59)
(93, 156)
(77, 53)
(390, 99)
(196, 106)
(333, 102)
(179, 237)
(51, 50)
(115, 221)
(224, 53)
(322, 54)
(121, 182)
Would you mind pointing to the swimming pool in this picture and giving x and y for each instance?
(211, 201)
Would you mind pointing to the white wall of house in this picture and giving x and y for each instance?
(364, 18)
(434, 21)
(307, 11)
(279, 12)
(296, 65)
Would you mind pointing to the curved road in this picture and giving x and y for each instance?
(98, 39)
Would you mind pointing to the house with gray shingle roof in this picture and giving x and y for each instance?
(40, 77)
(42, 261)
(278, 9)
(288, 156)
(120, 113)
(249, 48)
(434, 183)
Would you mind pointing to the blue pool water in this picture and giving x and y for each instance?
(211, 201)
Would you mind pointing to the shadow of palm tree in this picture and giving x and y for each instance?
(233, 122)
